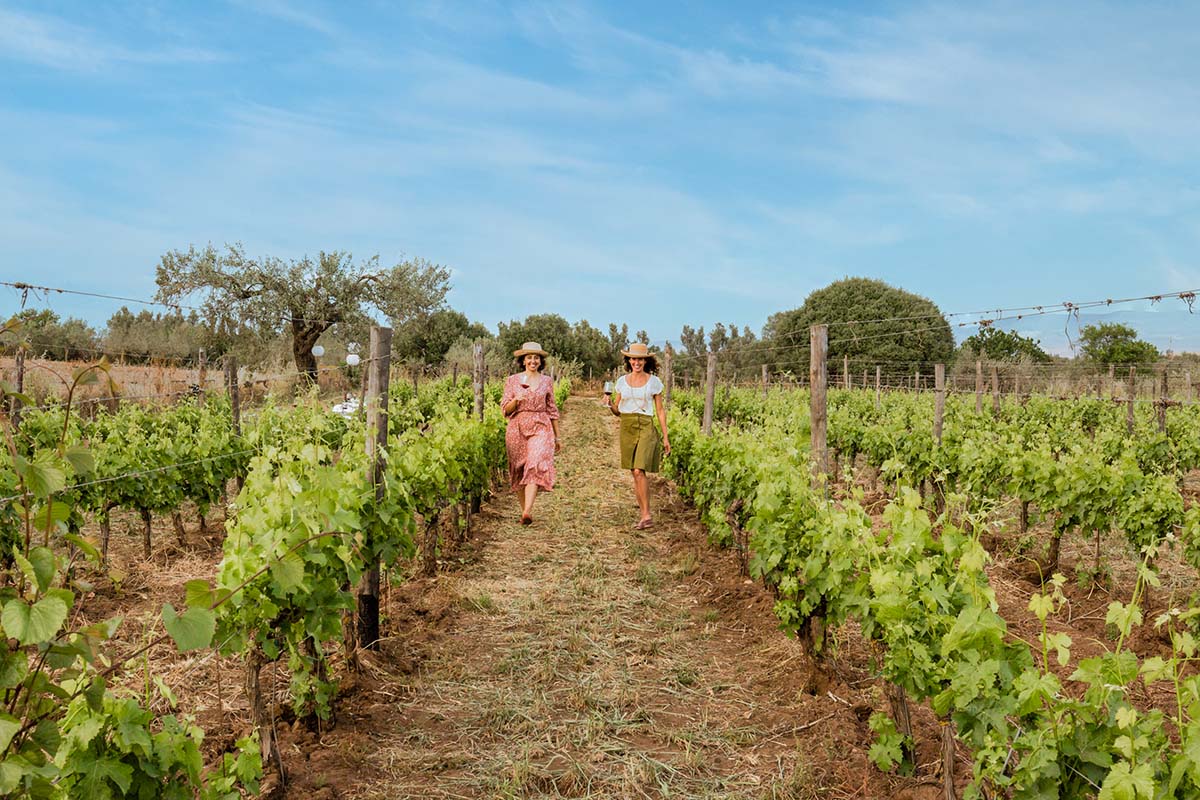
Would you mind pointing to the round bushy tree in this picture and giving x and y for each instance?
(869, 321)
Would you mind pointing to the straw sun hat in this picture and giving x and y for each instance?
(637, 350)
(530, 348)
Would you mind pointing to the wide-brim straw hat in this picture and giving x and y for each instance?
(530, 348)
(639, 350)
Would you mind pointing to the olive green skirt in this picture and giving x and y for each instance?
(641, 443)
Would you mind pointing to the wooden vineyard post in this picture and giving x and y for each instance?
(864, 383)
(939, 403)
(1129, 401)
(477, 379)
(764, 381)
(948, 759)
(878, 386)
(14, 410)
(1112, 380)
(978, 387)
(845, 372)
(818, 376)
(202, 373)
(917, 380)
(1187, 386)
(710, 389)
(1163, 401)
(367, 628)
(477, 386)
(669, 383)
(231, 386)
(995, 389)
(235, 402)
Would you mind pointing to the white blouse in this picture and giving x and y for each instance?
(638, 399)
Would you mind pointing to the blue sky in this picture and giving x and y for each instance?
(650, 163)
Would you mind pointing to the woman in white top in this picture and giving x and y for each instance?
(637, 398)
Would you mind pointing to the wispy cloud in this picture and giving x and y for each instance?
(50, 42)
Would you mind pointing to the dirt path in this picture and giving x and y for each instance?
(581, 658)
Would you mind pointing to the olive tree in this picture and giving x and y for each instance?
(304, 297)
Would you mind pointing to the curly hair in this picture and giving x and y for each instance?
(651, 367)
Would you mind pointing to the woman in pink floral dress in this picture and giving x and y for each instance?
(532, 435)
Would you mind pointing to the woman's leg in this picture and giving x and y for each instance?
(530, 494)
(641, 488)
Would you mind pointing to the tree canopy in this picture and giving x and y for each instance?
(1112, 343)
(1000, 345)
(44, 332)
(304, 297)
(592, 349)
(869, 321)
(427, 339)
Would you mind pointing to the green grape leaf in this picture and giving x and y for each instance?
(80, 458)
(14, 666)
(199, 593)
(37, 623)
(288, 572)
(44, 565)
(191, 630)
(85, 546)
(9, 725)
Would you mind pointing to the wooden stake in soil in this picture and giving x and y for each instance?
(764, 381)
(978, 387)
(15, 408)
(668, 354)
(845, 372)
(235, 398)
(477, 379)
(1163, 401)
(948, 760)
(939, 403)
(202, 375)
(878, 386)
(995, 389)
(1129, 402)
(367, 628)
(1112, 380)
(710, 388)
(818, 376)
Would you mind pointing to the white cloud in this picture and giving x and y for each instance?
(50, 42)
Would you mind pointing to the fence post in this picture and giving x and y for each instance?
(845, 372)
(477, 378)
(1130, 392)
(15, 407)
(1112, 382)
(669, 383)
(995, 389)
(878, 387)
(764, 381)
(202, 375)
(1187, 386)
(818, 377)
(367, 628)
(939, 403)
(1163, 400)
(978, 387)
(710, 388)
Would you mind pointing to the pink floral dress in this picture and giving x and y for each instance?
(530, 435)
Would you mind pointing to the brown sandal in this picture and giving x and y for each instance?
(526, 519)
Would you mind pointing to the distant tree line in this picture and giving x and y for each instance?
(268, 311)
